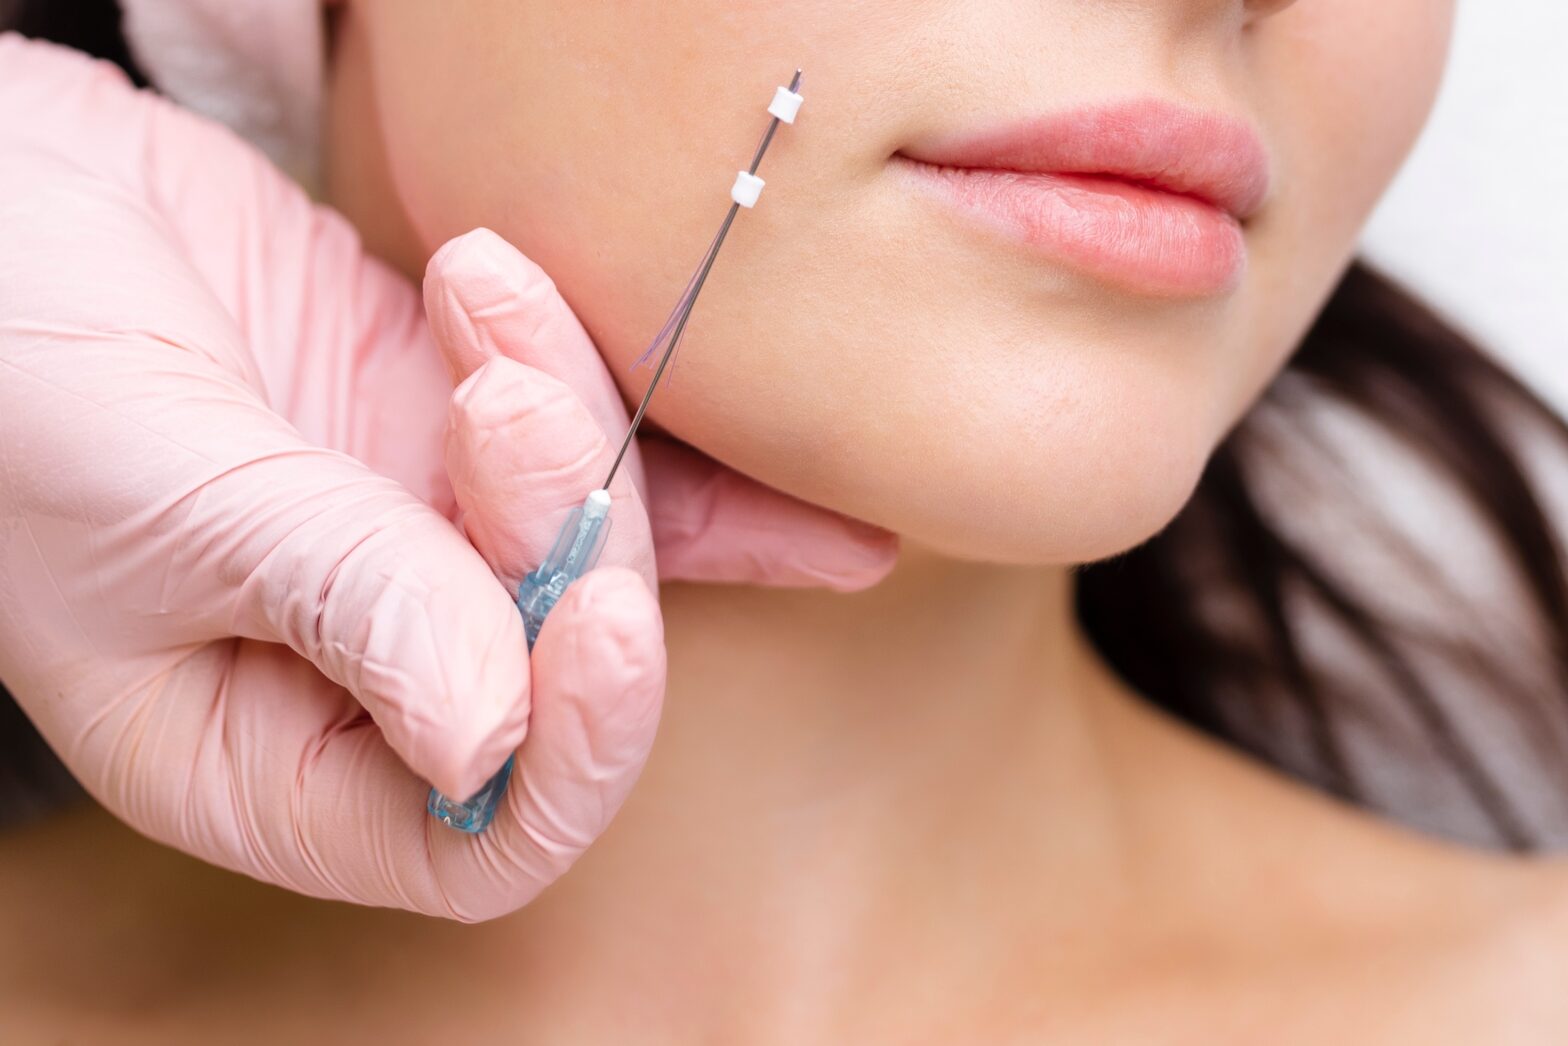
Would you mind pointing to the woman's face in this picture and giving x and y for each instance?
(1026, 366)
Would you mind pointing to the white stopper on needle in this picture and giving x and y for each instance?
(747, 189)
(786, 104)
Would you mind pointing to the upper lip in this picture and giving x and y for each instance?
(1213, 157)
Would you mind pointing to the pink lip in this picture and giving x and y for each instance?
(1145, 194)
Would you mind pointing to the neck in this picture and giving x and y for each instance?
(839, 779)
(815, 709)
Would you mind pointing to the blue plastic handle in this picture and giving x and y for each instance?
(574, 553)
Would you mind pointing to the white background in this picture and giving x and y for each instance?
(1478, 221)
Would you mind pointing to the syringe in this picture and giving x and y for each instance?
(582, 536)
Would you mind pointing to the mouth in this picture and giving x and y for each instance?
(1146, 195)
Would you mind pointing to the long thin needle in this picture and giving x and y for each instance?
(702, 277)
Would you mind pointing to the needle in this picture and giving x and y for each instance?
(691, 300)
(587, 527)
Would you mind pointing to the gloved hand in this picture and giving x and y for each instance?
(232, 595)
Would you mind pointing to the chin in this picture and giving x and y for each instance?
(1065, 505)
(1065, 518)
(987, 429)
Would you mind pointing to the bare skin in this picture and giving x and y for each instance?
(957, 828)
(926, 813)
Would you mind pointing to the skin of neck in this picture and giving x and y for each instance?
(845, 784)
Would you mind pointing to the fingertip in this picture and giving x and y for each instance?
(485, 276)
(711, 524)
(608, 632)
(868, 555)
(620, 606)
(470, 715)
(475, 251)
(432, 646)
(470, 280)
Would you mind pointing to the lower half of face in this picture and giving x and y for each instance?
(1017, 269)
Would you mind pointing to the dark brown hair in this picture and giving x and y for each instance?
(1222, 618)
(92, 26)
(1242, 618)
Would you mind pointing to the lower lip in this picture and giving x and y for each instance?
(1139, 238)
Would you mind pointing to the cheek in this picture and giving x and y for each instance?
(849, 350)
(1343, 88)
(601, 138)
(486, 127)
(1348, 85)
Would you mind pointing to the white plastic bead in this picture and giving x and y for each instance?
(747, 189)
(786, 104)
(598, 504)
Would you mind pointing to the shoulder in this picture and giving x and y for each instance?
(1528, 952)
(1500, 970)
(1390, 936)
(1475, 952)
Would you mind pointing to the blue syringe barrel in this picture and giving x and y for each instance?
(574, 553)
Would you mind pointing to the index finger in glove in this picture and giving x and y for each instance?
(485, 300)
(523, 445)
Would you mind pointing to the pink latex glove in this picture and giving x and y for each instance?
(232, 596)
